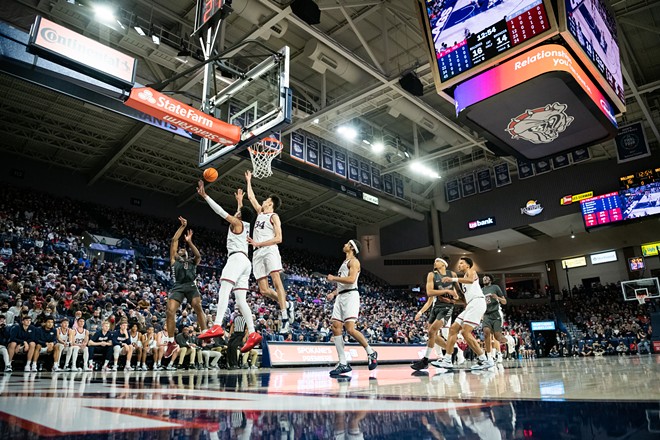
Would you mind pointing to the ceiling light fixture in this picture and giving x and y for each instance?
(572, 234)
(347, 132)
(378, 147)
(104, 13)
(499, 250)
(424, 170)
(139, 30)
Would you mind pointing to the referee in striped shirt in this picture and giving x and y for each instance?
(237, 337)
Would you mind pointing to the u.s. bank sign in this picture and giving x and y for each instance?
(476, 224)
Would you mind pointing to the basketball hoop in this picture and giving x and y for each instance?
(262, 154)
(641, 297)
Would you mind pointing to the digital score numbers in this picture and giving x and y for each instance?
(640, 178)
(497, 38)
(207, 13)
(601, 210)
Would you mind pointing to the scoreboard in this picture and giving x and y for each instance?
(640, 178)
(601, 210)
(466, 34)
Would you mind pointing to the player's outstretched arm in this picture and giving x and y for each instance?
(236, 224)
(431, 291)
(253, 200)
(501, 297)
(427, 306)
(193, 248)
(469, 277)
(174, 245)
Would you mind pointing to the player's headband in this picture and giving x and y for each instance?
(442, 261)
(355, 248)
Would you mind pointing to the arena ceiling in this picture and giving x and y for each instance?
(378, 39)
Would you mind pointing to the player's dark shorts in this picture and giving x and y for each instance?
(181, 291)
(441, 313)
(492, 321)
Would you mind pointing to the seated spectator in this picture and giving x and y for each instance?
(621, 349)
(632, 348)
(598, 349)
(101, 343)
(610, 349)
(22, 341)
(4, 341)
(587, 351)
(187, 347)
(121, 345)
(644, 346)
(162, 339)
(45, 341)
(79, 344)
(149, 348)
(136, 342)
(211, 353)
(554, 353)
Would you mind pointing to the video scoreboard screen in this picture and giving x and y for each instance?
(640, 178)
(601, 210)
(468, 33)
(594, 29)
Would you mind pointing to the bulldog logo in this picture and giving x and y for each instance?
(540, 125)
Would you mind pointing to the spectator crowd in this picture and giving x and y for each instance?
(58, 299)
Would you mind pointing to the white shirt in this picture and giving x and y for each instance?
(343, 272)
(238, 242)
(472, 290)
(263, 228)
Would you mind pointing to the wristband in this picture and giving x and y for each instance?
(454, 280)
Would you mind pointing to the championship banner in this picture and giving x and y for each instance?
(525, 169)
(468, 185)
(340, 163)
(298, 146)
(542, 166)
(580, 155)
(631, 143)
(375, 179)
(327, 158)
(388, 185)
(365, 173)
(560, 161)
(484, 180)
(452, 190)
(312, 152)
(353, 169)
(502, 175)
(168, 109)
(398, 187)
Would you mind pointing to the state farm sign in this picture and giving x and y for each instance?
(68, 48)
(168, 109)
(475, 224)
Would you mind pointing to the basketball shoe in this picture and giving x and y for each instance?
(253, 339)
(213, 332)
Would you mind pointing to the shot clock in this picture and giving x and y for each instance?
(208, 13)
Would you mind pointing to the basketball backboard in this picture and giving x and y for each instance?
(259, 102)
(645, 286)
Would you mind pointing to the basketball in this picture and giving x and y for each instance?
(210, 174)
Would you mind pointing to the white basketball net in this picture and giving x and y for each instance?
(641, 297)
(262, 154)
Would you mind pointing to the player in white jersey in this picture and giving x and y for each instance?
(470, 318)
(266, 259)
(347, 307)
(236, 273)
(79, 341)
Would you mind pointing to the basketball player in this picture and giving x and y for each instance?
(347, 307)
(236, 273)
(79, 341)
(266, 259)
(441, 302)
(492, 324)
(468, 319)
(184, 273)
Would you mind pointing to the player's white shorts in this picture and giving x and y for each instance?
(347, 306)
(237, 270)
(266, 260)
(473, 313)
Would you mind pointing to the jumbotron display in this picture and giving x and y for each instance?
(601, 210)
(468, 33)
(627, 204)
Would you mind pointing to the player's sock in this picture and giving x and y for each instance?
(429, 350)
(284, 315)
(369, 349)
(438, 351)
(447, 358)
(339, 344)
(482, 357)
(243, 306)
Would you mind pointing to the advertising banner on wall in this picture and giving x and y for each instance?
(502, 175)
(484, 180)
(453, 190)
(468, 185)
(631, 143)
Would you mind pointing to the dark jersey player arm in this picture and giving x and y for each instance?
(174, 245)
(431, 291)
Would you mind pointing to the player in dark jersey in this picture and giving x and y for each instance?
(184, 273)
(441, 302)
(492, 321)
